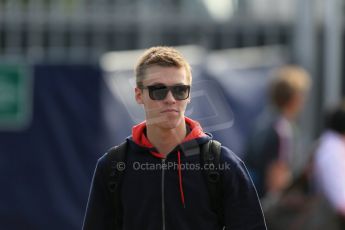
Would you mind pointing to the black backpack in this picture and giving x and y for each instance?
(210, 155)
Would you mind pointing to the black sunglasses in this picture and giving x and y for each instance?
(160, 91)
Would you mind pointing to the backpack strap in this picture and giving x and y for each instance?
(115, 170)
(210, 155)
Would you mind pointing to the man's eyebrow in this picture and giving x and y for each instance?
(156, 83)
(180, 83)
(160, 83)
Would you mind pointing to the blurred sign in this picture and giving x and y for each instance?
(15, 96)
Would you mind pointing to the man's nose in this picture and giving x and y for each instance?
(170, 98)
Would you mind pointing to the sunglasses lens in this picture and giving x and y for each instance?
(158, 92)
(180, 92)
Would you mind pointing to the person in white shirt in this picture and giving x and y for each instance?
(330, 161)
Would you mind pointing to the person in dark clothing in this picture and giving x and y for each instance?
(272, 156)
(163, 185)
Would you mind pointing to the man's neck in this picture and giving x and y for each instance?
(165, 140)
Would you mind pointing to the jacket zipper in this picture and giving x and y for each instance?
(163, 206)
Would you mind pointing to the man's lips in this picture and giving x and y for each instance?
(170, 111)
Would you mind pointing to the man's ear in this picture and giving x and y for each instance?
(139, 96)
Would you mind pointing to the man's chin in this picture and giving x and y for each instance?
(166, 122)
(169, 125)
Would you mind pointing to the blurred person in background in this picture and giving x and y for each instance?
(329, 162)
(272, 155)
(170, 198)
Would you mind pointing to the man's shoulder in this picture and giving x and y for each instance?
(230, 157)
(114, 154)
(232, 166)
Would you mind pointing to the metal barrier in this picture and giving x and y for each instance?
(82, 30)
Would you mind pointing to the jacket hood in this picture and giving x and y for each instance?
(196, 133)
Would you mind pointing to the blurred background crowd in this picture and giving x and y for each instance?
(267, 82)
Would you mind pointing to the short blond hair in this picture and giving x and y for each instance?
(160, 56)
(287, 82)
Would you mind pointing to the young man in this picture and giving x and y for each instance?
(272, 156)
(163, 185)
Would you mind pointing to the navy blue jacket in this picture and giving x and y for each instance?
(156, 197)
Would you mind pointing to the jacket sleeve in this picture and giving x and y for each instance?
(98, 214)
(242, 209)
